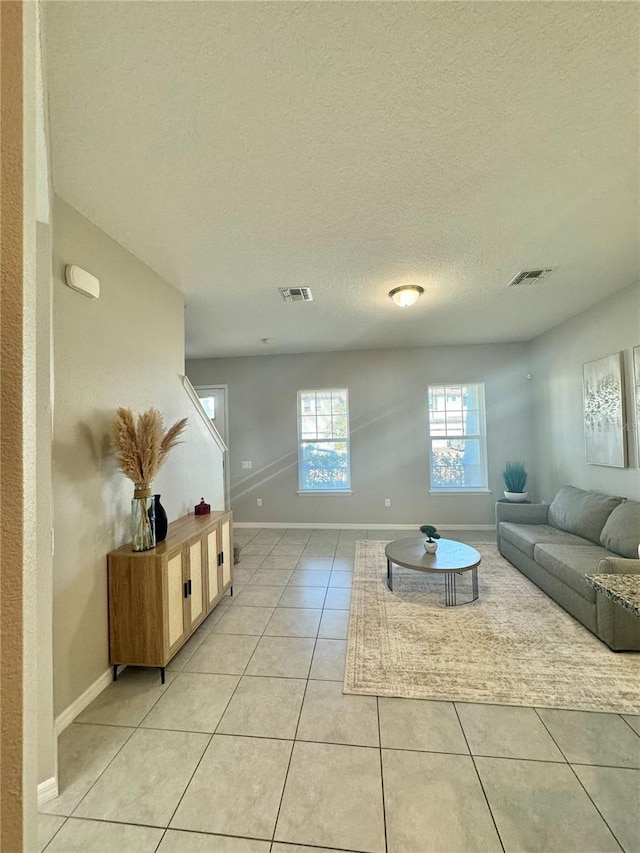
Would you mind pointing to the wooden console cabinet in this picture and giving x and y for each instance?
(158, 598)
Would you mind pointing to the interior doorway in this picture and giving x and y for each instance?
(215, 402)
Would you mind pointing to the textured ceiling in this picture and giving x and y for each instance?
(351, 147)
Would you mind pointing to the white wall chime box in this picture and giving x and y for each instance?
(82, 281)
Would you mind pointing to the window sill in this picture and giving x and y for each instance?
(460, 492)
(324, 492)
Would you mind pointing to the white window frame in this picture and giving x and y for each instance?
(347, 440)
(481, 436)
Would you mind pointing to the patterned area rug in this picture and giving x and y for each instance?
(513, 646)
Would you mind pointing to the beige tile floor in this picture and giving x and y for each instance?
(251, 746)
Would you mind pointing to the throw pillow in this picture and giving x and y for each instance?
(621, 533)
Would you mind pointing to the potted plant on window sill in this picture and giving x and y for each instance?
(430, 544)
(515, 479)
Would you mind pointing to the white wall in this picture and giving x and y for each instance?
(47, 742)
(557, 358)
(124, 349)
(388, 413)
(47, 739)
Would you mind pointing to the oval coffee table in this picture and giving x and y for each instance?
(450, 559)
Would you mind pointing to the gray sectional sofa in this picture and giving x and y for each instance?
(579, 533)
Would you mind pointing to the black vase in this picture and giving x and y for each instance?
(161, 520)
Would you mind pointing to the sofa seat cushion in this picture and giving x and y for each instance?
(621, 533)
(526, 536)
(582, 513)
(570, 563)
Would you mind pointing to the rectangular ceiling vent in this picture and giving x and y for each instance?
(296, 294)
(529, 277)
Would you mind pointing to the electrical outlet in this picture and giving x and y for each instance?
(247, 464)
(258, 501)
(387, 501)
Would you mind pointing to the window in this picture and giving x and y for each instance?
(209, 405)
(323, 441)
(457, 438)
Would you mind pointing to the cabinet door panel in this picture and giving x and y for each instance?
(175, 598)
(212, 565)
(197, 592)
(225, 535)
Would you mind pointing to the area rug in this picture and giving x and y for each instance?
(513, 646)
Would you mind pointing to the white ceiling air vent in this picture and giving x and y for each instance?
(296, 294)
(529, 277)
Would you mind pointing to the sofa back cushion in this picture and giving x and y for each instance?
(582, 513)
(621, 533)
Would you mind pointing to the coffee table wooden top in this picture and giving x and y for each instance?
(451, 556)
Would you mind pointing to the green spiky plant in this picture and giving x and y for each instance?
(515, 476)
(430, 532)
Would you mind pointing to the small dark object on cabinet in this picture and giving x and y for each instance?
(161, 520)
(203, 508)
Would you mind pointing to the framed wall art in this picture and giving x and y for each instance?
(604, 416)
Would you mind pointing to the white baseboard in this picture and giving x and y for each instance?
(69, 714)
(47, 790)
(321, 526)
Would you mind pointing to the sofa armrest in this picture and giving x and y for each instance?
(618, 566)
(522, 513)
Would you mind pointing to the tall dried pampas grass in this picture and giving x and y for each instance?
(142, 447)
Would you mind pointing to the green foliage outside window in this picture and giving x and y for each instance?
(448, 465)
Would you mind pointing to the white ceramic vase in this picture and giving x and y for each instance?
(430, 547)
(516, 497)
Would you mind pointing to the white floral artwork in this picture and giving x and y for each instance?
(636, 396)
(604, 421)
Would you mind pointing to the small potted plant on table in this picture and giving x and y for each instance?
(515, 479)
(431, 532)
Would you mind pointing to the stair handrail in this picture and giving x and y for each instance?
(193, 394)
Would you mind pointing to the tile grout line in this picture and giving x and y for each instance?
(173, 813)
(549, 732)
(293, 744)
(204, 751)
(629, 724)
(64, 822)
(364, 746)
(475, 767)
(602, 817)
(578, 778)
(295, 736)
(294, 844)
(384, 804)
(164, 832)
(100, 775)
(163, 829)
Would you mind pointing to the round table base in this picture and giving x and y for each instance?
(450, 594)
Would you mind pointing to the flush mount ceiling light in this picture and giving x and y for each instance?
(406, 295)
